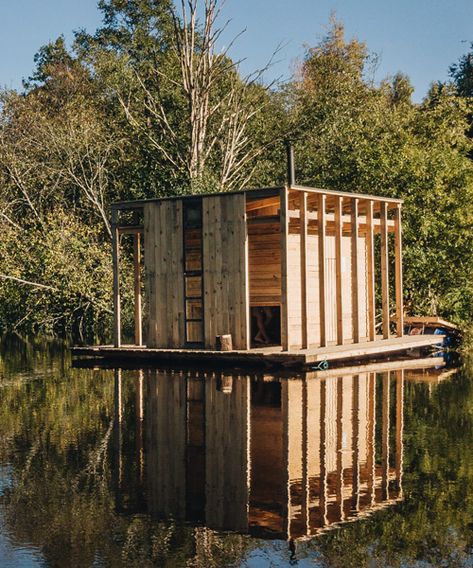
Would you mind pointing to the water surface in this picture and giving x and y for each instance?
(357, 467)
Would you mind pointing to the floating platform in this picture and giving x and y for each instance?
(335, 355)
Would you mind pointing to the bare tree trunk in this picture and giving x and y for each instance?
(220, 104)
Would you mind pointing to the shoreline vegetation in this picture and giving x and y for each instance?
(148, 106)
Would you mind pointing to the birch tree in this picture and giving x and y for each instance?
(211, 137)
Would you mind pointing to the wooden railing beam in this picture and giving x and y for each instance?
(398, 271)
(355, 294)
(384, 271)
(338, 269)
(370, 273)
(304, 271)
(322, 269)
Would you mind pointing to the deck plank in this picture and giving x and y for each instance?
(271, 356)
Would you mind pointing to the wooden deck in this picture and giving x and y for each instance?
(266, 357)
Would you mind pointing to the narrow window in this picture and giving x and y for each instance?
(193, 312)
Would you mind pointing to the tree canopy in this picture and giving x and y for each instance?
(148, 106)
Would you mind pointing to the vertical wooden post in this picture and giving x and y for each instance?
(284, 220)
(245, 294)
(385, 436)
(304, 269)
(399, 427)
(118, 418)
(139, 424)
(355, 295)
(385, 269)
(286, 505)
(323, 497)
(398, 269)
(370, 273)
(338, 267)
(116, 280)
(321, 215)
(305, 501)
(339, 479)
(137, 286)
(356, 443)
(371, 461)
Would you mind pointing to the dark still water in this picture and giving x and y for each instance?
(357, 467)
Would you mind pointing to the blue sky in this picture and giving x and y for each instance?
(421, 38)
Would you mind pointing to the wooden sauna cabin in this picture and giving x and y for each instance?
(325, 266)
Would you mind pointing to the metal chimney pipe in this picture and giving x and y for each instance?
(291, 174)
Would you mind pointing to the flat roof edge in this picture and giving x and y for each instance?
(351, 194)
(138, 203)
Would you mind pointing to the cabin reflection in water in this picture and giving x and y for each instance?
(277, 458)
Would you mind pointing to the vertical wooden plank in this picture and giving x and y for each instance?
(150, 271)
(233, 283)
(323, 497)
(118, 419)
(321, 217)
(304, 268)
(225, 263)
(385, 269)
(385, 435)
(284, 221)
(338, 267)
(137, 286)
(371, 433)
(207, 236)
(398, 270)
(356, 443)
(399, 427)
(175, 239)
(286, 504)
(139, 413)
(158, 263)
(305, 500)
(179, 314)
(370, 271)
(164, 274)
(239, 283)
(170, 238)
(219, 291)
(339, 479)
(116, 280)
(245, 291)
(355, 292)
(164, 309)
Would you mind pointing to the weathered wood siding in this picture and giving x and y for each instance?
(265, 264)
(165, 431)
(225, 262)
(164, 280)
(227, 439)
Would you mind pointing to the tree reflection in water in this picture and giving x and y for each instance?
(141, 468)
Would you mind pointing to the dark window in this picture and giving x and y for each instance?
(194, 310)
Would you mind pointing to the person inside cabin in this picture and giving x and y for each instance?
(263, 316)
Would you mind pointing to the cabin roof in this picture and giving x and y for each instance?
(257, 193)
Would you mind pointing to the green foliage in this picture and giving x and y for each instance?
(68, 258)
(462, 74)
(355, 136)
(88, 129)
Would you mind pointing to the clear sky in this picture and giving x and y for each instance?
(421, 38)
